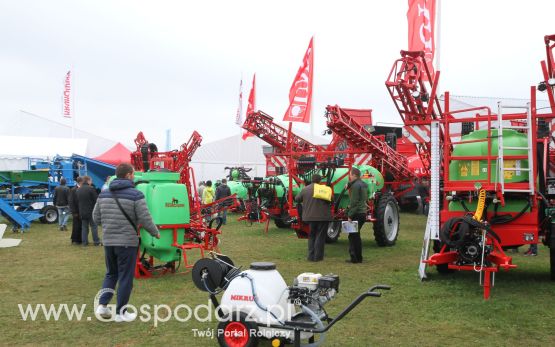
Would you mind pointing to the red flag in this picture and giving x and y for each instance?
(66, 99)
(239, 117)
(251, 105)
(300, 94)
(421, 18)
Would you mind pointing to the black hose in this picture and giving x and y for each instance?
(507, 218)
(454, 230)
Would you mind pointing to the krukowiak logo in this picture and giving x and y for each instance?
(174, 203)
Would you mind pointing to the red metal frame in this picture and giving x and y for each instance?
(403, 81)
(288, 145)
(198, 235)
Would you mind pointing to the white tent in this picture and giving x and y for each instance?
(34, 126)
(210, 160)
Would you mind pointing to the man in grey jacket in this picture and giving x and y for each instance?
(121, 240)
(316, 213)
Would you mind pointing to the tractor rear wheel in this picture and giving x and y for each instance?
(333, 231)
(49, 214)
(386, 227)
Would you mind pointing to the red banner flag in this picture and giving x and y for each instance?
(300, 94)
(421, 18)
(251, 106)
(66, 99)
(239, 117)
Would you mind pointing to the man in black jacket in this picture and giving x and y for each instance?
(61, 201)
(317, 213)
(222, 192)
(86, 196)
(74, 207)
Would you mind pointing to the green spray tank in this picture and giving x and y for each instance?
(476, 170)
(168, 204)
(340, 178)
(368, 174)
(237, 187)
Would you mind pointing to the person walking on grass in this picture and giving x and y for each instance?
(86, 197)
(357, 210)
(76, 226)
(317, 213)
(61, 201)
(119, 210)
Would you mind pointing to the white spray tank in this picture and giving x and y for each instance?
(259, 292)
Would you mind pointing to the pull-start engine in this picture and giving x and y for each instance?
(314, 291)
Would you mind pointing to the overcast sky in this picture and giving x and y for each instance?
(154, 65)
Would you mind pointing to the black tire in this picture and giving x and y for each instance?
(333, 231)
(284, 221)
(552, 262)
(239, 325)
(49, 214)
(441, 268)
(386, 227)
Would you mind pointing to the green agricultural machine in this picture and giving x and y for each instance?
(167, 182)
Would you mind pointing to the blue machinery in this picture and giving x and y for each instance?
(27, 195)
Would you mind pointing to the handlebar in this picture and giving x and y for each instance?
(371, 291)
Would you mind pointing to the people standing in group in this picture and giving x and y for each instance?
(357, 211)
(61, 201)
(317, 213)
(222, 192)
(86, 196)
(76, 228)
(119, 210)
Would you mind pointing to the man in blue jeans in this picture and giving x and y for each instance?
(121, 242)
(61, 201)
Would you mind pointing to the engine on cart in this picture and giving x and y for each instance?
(254, 302)
(313, 291)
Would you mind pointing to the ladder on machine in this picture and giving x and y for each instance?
(432, 225)
(501, 169)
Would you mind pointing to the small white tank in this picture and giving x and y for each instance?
(271, 291)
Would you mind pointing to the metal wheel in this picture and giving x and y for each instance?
(50, 214)
(333, 231)
(386, 228)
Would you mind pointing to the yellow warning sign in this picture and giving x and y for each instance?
(464, 170)
(475, 168)
(509, 164)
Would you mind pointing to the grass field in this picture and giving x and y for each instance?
(443, 311)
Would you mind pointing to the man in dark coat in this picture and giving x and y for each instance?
(121, 209)
(222, 192)
(61, 201)
(74, 207)
(358, 197)
(86, 196)
(317, 213)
